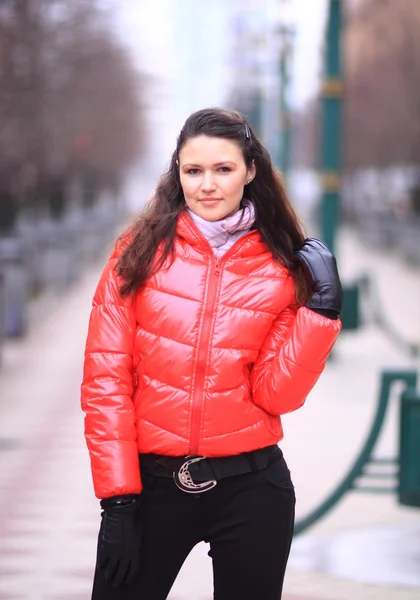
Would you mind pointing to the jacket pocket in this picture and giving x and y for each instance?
(277, 474)
(272, 422)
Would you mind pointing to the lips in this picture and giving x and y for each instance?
(210, 201)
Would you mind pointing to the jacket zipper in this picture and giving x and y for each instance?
(202, 358)
(204, 342)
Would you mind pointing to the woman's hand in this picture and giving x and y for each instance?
(119, 539)
(321, 267)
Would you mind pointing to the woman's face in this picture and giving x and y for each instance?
(213, 174)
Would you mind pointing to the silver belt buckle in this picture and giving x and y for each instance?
(184, 481)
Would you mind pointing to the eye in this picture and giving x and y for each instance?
(225, 169)
(193, 171)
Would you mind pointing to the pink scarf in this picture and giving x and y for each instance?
(221, 235)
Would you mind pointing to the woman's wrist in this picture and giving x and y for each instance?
(116, 501)
(330, 313)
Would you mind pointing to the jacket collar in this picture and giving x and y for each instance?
(250, 244)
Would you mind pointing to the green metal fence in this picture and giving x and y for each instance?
(404, 477)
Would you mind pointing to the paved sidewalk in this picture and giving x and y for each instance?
(367, 548)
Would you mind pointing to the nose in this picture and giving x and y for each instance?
(208, 184)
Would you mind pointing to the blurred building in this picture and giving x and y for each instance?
(261, 32)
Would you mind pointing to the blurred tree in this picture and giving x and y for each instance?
(70, 100)
(382, 107)
(382, 89)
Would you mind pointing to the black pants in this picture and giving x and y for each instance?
(247, 520)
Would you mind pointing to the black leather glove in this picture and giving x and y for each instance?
(321, 267)
(119, 539)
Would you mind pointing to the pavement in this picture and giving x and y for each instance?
(368, 547)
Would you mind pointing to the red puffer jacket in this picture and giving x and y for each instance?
(202, 361)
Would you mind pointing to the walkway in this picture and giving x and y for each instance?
(365, 549)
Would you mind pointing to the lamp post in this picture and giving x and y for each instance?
(286, 40)
(332, 92)
(332, 100)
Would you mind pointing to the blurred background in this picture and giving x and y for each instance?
(93, 94)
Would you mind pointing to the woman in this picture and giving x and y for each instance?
(212, 318)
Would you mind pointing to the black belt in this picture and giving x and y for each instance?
(194, 474)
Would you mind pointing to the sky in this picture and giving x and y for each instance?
(309, 16)
(146, 27)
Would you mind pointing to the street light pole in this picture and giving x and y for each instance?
(332, 92)
(332, 100)
(286, 36)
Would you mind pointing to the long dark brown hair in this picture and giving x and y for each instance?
(155, 228)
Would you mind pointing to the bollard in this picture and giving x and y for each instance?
(61, 255)
(34, 236)
(409, 454)
(52, 254)
(1, 312)
(15, 284)
(350, 317)
(97, 232)
(409, 240)
(93, 238)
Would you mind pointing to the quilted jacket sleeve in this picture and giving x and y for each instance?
(107, 387)
(292, 358)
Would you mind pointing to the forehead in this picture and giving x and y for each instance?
(208, 150)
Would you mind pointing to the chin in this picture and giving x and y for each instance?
(210, 214)
(216, 217)
(217, 214)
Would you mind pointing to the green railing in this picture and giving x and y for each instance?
(353, 480)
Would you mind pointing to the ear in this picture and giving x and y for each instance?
(251, 172)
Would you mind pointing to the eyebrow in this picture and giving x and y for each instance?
(219, 164)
